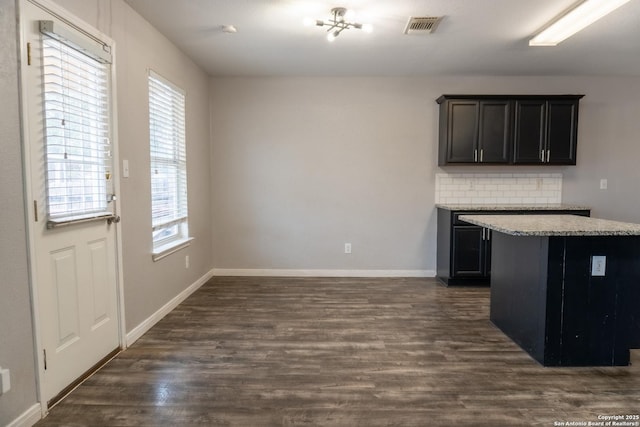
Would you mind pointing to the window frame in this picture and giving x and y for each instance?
(167, 154)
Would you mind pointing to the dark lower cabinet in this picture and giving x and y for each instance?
(464, 250)
(470, 253)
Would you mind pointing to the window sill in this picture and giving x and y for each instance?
(166, 250)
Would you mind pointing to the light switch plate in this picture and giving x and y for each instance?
(125, 168)
(598, 265)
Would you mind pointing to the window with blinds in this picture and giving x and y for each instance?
(76, 131)
(168, 163)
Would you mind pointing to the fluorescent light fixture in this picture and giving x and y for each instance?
(581, 16)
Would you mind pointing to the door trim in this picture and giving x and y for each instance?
(54, 9)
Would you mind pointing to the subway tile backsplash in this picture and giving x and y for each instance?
(499, 188)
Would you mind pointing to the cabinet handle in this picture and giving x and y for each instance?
(475, 155)
(542, 156)
(481, 154)
(548, 155)
(488, 234)
(483, 233)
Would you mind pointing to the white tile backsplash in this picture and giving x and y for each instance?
(499, 188)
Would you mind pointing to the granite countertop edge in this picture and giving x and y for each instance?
(552, 225)
(510, 207)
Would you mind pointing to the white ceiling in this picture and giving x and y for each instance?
(476, 37)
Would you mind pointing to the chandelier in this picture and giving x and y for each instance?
(338, 23)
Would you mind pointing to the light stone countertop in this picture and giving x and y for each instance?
(510, 207)
(553, 225)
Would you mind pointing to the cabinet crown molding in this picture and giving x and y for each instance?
(508, 97)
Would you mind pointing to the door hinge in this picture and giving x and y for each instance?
(35, 210)
(28, 53)
(45, 358)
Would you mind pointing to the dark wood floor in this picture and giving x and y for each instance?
(338, 352)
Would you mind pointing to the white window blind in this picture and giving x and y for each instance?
(168, 162)
(76, 130)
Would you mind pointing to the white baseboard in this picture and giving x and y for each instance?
(28, 417)
(322, 273)
(148, 323)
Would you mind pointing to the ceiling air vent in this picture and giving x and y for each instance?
(422, 24)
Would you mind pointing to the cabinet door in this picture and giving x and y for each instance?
(562, 129)
(530, 132)
(462, 131)
(468, 251)
(494, 137)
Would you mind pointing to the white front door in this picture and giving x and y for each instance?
(69, 158)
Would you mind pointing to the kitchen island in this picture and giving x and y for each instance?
(566, 288)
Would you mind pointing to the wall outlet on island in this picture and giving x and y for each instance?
(598, 265)
(347, 248)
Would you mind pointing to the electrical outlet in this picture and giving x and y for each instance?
(598, 265)
(347, 248)
(186, 261)
(5, 380)
(603, 184)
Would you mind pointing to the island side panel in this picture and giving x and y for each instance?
(631, 291)
(555, 293)
(518, 290)
(595, 320)
(627, 251)
(589, 310)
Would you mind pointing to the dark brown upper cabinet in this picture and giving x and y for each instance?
(475, 131)
(508, 129)
(546, 132)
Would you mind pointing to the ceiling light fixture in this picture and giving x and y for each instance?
(338, 23)
(579, 17)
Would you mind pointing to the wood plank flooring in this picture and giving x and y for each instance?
(338, 352)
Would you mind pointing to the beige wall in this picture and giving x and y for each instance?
(610, 148)
(149, 285)
(16, 333)
(302, 165)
